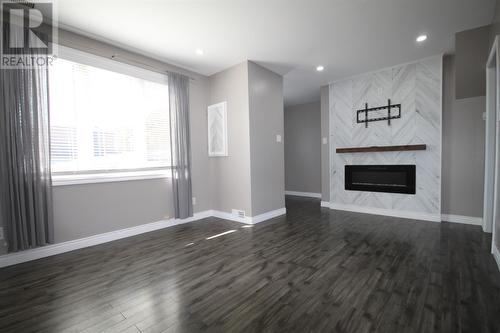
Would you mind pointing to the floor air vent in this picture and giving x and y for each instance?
(239, 213)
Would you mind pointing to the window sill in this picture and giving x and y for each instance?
(76, 179)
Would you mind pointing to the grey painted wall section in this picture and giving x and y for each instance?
(251, 178)
(471, 49)
(325, 147)
(463, 149)
(90, 209)
(266, 154)
(495, 25)
(230, 176)
(303, 148)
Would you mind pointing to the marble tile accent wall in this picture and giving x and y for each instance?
(418, 88)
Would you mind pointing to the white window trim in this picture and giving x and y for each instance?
(118, 67)
(108, 177)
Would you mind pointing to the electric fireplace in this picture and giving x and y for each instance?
(380, 178)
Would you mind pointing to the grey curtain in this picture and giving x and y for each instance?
(25, 180)
(178, 87)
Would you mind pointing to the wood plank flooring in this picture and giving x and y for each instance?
(315, 270)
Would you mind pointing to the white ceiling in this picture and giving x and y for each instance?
(291, 37)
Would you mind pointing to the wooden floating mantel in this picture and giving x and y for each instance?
(381, 149)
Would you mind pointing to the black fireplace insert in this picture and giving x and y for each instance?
(380, 178)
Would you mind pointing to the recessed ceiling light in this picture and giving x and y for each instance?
(199, 51)
(421, 38)
(320, 68)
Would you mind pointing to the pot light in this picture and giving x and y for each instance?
(421, 38)
(320, 68)
(199, 51)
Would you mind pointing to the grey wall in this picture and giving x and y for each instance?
(218, 183)
(471, 53)
(463, 149)
(495, 25)
(90, 209)
(303, 148)
(266, 154)
(230, 176)
(85, 210)
(325, 148)
(251, 178)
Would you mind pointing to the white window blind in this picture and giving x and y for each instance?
(102, 120)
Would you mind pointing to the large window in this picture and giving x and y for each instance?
(105, 120)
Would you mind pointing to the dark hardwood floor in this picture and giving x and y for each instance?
(313, 270)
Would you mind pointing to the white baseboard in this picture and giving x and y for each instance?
(50, 250)
(325, 204)
(231, 217)
(462, 219)
(249, 219)
(496, 254)
(269, 215)
(304, 194)
(387, 212)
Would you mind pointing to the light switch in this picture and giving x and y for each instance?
(325, 140)
(278, 138)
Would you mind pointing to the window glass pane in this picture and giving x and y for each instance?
(102, 120)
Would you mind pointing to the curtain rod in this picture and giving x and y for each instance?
(116, 57)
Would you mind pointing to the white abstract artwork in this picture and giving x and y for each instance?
(217, 130)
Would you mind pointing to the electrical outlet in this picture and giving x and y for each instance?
(194, 200)
(278, 138)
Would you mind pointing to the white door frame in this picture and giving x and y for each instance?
(492, 146)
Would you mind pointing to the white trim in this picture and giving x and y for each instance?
(462, 219)
(50, 250)
(269, 215)
(496, 254)
(495, 119)
(108, 177)
(490, 144)
(325, 204)
(387, 212)
(304, 194)
(249, 219)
